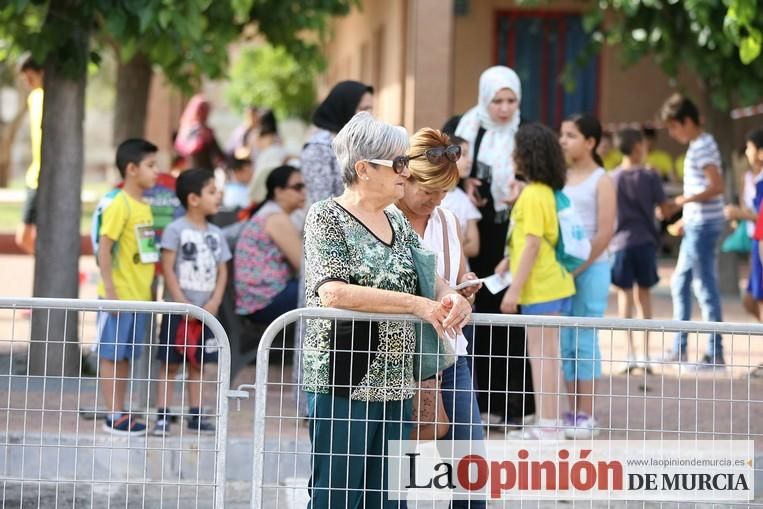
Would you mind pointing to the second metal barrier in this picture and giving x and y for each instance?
(650, 396)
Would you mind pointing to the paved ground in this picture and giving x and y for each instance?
(666, 404)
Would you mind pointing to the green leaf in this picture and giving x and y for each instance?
(128, 49)
(267, 75)
(146, 17)
(165, 16)
(241, 7)
(749, 49)
(116, 24)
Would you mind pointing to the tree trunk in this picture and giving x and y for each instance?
(54, 348)
(9, 132)
(133, 86)
(720, 124)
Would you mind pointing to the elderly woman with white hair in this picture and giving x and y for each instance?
(360, 375)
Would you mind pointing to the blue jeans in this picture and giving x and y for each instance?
(697, 268)
(581, 357)
(281, 303)
(460, 403)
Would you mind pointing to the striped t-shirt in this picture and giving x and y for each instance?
(703, 151)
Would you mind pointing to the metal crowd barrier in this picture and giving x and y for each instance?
(54, 455)
(656, 400)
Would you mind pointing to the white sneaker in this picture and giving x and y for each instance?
(535, 432)
(672, 357)
(489, 419)
(645, 364)
(585, 426)
(630, 366)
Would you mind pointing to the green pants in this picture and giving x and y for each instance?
(349, 448)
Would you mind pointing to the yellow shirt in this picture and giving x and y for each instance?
(34, 103)
(680, 165)
(612, 160)
(660, 161)
(535, 214)
(123, 220)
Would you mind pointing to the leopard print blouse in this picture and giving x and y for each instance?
(339, 247)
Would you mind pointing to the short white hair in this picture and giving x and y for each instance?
(363, 138)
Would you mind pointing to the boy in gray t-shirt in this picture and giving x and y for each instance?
(194, 257)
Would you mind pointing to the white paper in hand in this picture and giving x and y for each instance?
(498, 282)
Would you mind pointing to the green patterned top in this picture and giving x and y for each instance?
(376, 363)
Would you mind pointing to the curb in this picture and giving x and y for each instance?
(8, 245)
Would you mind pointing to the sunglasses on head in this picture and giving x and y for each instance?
(435, 155)
(398, 164)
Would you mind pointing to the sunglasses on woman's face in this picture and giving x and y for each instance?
(398, 164)
(435, 155)
(299, 186)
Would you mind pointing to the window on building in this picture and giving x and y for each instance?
(538, 46)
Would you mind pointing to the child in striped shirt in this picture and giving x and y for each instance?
(704, 222)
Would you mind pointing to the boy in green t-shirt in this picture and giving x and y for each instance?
(127, 255)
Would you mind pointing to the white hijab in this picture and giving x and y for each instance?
(497, 146)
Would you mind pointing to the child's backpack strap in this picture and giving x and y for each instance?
(97, 220)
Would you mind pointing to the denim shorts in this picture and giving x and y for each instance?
(121, 336)
(558, 306)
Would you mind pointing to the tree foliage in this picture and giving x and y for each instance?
(30, 25)
(719, 40)
(187, 40)
(744, 25)
(269, 76)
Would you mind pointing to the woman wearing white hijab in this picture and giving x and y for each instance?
(489, 128)
(497, 116)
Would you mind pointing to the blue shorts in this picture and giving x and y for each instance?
(121, 336)
(635, 264)
(755, 280)
(558, 306)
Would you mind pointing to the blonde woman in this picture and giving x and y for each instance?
(433, 174)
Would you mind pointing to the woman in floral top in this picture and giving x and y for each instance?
(321, 169)
(269, 251)
(360, 375)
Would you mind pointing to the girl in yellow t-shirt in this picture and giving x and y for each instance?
(541, 286)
